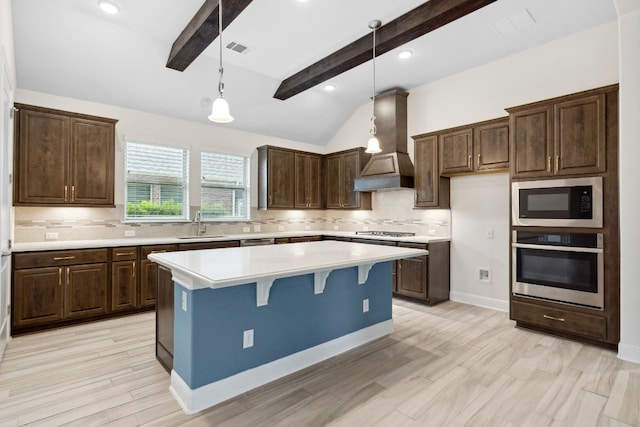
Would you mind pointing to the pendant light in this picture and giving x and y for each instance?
(373, 145)
(220, 109)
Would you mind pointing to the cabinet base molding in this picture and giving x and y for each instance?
(561, 334)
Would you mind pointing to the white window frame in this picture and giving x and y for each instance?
(184, 217)
(245, 186)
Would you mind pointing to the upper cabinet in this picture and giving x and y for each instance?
(342, 169)
(276, 178)
(561, 136)
(63, 158)
(431, 190)
(479, 147)
(308, 181)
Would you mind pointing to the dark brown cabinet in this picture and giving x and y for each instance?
(124, 278)
(164, 318)
(431, 190)
(308, 187)
(49, 288)
(425, 278)
(342, 169)
(149, 273)
(562, 136)
(63, 158)
(479, 147)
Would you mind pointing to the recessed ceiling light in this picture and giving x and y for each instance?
(405, 54)
(109, 6)
(329, 88)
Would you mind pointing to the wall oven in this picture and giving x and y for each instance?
(571, 202)
(560, 267)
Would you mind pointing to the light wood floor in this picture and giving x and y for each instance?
(449, 365)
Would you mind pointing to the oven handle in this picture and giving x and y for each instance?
(558, 248)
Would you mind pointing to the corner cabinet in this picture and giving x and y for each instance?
(63, 158)
(342, 169)
(431, 190)
(561, 136)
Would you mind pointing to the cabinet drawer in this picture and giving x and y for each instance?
(562, 320)
(55, 258)
(124, 254)
(146, 250)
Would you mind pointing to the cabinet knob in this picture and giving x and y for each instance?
(478, 160)
(557, 163)
(549, 164)
(469, 161)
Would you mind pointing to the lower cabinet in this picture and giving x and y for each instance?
(56, 287)
(149, 274)
(164, 318)
(124, 278)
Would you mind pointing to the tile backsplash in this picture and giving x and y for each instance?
(392, 211)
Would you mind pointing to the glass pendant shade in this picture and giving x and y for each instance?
(373, 145)
(220, 111)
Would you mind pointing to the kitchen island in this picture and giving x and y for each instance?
(246, 316)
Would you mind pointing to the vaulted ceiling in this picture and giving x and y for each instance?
(71, 48)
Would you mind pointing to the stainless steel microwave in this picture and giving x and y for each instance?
(571, 202)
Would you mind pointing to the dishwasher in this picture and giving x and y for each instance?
(257, 242)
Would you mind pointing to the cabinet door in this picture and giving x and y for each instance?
(456, 150)
(411, 277)
(281, 179)
(37, 295)
(302, 171)
(86, 290)
(334, 200)
(580, 136)
(428, 183)
(350, 170)
(314, 182)
(42, 161)
(531, 143)
(491, 146)
(123, 285)
(92, 162)
(308, 181)
(148, 283)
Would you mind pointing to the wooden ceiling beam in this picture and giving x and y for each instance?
(202, 30)
(413, 24)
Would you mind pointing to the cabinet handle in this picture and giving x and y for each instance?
(478, 160)
(557, 163)
(270, 202)
(469, 161)
(549, 164)
(62, 258)
(559, 319)
(133, 272)
(124, 254)
(73, 193)
(66, 191)
(59, 276)
(67, 282)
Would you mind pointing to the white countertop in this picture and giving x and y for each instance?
(142, 241)
(218, 268)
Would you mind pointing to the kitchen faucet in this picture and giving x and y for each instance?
(202, 229)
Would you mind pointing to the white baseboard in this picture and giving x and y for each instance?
(495, 304)
(630, 353)
(196, 400)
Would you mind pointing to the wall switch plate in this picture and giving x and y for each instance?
(247, 338)
(257, 228)
(50, 236)
(489, 233)
(365, 305)
(129, 233)
(246, 229)
(184, 301)
(281, 228)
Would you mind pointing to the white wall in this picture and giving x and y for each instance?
(581, 61)
(629, 19)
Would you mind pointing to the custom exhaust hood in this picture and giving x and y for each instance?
(392, 167)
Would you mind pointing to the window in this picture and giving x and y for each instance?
(224, 186)
(156, 182)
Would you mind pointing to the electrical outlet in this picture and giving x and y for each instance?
(247, 338)
(129, 233)
(184, 301)
(281, 228)
(431, 232)
(365, 305)
(484, 274)
(257, 228)
(365, 228)
(307, 227)
(336, 227)
(489, 233)
(246, 229)
(51, 236)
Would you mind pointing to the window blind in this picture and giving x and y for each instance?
(224, 186)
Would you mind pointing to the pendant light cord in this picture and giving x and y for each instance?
(373, 97)
(220, 69)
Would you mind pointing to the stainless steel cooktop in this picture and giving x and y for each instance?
(385, 233)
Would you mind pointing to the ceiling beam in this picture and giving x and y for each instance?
(201, 31)
(413, 24)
